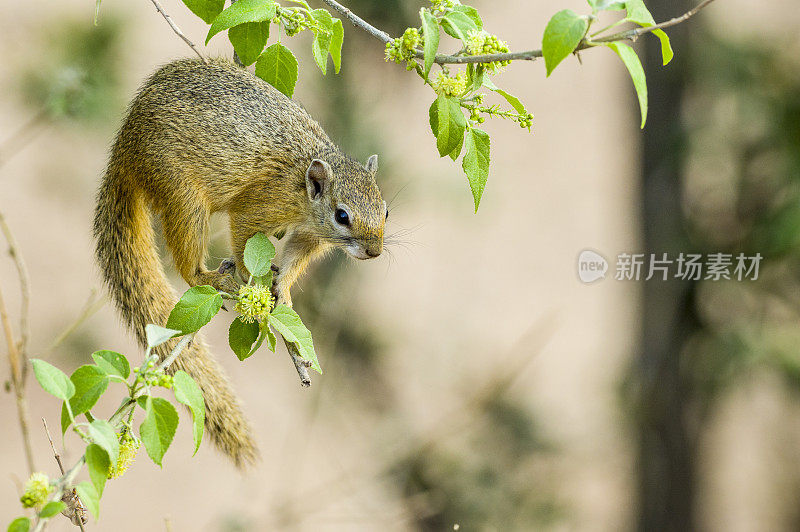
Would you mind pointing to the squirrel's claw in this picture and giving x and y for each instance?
(227, 266)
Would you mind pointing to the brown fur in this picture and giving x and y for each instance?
(199, 139)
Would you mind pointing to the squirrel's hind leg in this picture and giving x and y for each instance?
(186, 233)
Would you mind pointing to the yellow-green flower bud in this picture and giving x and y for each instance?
(37, 488)
(255, 301)
(444, 84)
(128, 446)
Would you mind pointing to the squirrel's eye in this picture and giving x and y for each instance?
(341, 217)
(387, 214)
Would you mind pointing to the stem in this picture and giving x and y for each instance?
(16, 381)
(178, 31)
(529, 55)
(185, 341)
(25, 288)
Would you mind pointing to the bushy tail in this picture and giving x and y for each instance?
(128, 258)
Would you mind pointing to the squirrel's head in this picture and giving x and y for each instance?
(347, 204)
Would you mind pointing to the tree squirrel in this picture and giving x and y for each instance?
(203, 138)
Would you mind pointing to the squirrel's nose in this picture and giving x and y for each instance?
(372, 253)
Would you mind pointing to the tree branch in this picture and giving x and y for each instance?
(300, 364)
(74, 511)
(530, 55)
(16, 381)
(358, 21)
(632, 35)
(178, 31)
(25, 288)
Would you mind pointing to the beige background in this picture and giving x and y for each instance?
(468, 297)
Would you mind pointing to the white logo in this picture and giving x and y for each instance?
(591, 266)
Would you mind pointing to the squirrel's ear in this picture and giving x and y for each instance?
(372, 164)
(318, 172)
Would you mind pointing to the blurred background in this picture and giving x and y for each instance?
(471, 380)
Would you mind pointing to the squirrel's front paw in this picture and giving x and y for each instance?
(221, 281)
(227, 266)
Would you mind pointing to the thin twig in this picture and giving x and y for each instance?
(24, 135)
(633, 34)
(358, 21)
(185, 341)
(300, 364)
(25, 288)
(90, 308)
(78, 519)
(61, 485)
(16, 381)
(178, 31)
(529, 55)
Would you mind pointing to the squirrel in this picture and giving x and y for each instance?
(201, 138)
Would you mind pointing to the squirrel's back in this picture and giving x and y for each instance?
(219, 118)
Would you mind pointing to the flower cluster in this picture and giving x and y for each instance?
(153, 379)
(402, 48)
(255, 301)
(480, 42)
(37, 488)
(525, 120)
(442, 6)
(293, 21)
(128, 447)
(444, 84)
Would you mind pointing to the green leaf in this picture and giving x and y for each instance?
(638, 13)
(322, 38)
(241, 12)
(205, 9)
(258, 255)
(188, 392)
(99, 464)
(475, 75)
(249, 40)
(271, 340)
(158, 428)
(157, 335)
(53, 380)
(512, 100)
(195, 308)
(89, 497)
(457, 24)
(90, 382)
(562, 36)
(263, 280)
(290, 326)
(430, 34)
(666, 48)
(52, 508)
(471, 12)
(241, 337)
(278, 67)
(447, 123)
(606, 5)
(102, 433)
(634, 66)
(337, 40)
(20, 524)
(457, 151)
(112, 363)
(476, 162)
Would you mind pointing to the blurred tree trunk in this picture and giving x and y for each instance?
(666, 467)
